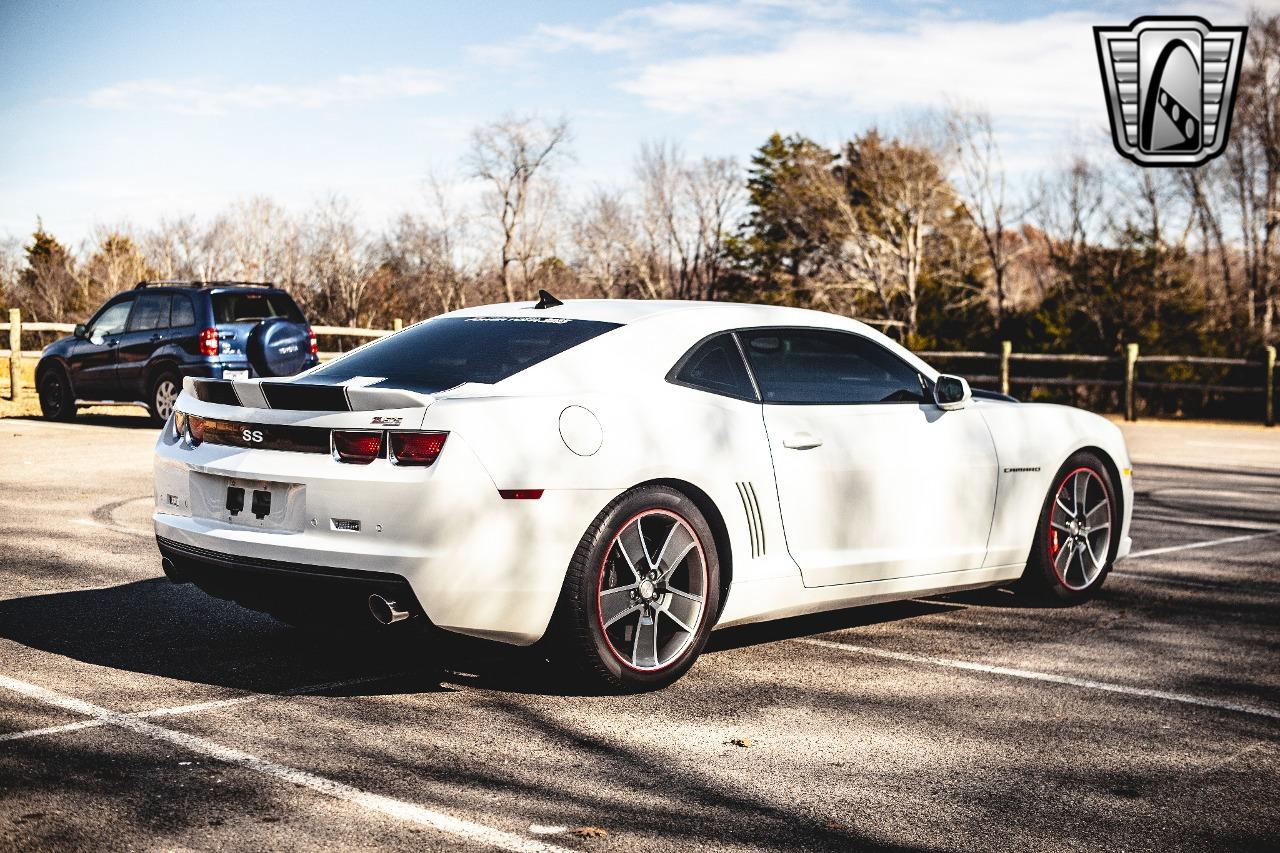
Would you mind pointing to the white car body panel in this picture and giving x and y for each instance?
(900, 500)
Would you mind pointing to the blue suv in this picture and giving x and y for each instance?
(141, 343)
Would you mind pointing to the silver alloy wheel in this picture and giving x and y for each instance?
(166, 396)
(652, 590)
(1080, 529)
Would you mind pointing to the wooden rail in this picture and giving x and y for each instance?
(1129, 361)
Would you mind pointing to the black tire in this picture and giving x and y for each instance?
(162, 393)
(57, 398)
(580, 636)
(1045, 579)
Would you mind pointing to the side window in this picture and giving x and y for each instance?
(183, 313)
(819, 366)
(152, 313)
(716, 366)
(111, 321)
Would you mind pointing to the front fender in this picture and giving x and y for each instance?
(1032, 440)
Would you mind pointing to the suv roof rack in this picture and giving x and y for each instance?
(202, 284)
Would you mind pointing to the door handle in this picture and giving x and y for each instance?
(801, 441)
(155, 338)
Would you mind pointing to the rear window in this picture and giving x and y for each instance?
(449, 351)
(238, 306)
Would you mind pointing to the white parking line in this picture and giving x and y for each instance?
(196, 708)
(1032, 675)
(457, 827)
(1145, 578)
(1150, 552)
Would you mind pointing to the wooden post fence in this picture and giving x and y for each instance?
(1130, 369)
(15, 354)
(1006, 349)
(1005, 357)
(1269, 377)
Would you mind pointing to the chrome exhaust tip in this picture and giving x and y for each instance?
(171, 571)
(386, 611)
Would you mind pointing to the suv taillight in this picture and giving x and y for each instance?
(209, 342)
(358, 447)
(416, 448)
(315, 350)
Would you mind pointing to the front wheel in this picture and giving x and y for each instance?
(1077, 537)
(57, 400)
(641, 593)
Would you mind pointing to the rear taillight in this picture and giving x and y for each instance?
(209, 342)
(195, 430)
(416, 448)
(358, 447)
(314, 349)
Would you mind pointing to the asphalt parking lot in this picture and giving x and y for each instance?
(139, 714)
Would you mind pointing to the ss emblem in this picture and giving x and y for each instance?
(252, 435)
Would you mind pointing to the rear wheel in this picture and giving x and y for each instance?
(165, 388)
(57, 400)
(641, 593)
(1076, 540)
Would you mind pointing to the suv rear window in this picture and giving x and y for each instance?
(449, 351)
(240, 306)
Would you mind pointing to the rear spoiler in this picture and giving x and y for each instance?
(301, 396)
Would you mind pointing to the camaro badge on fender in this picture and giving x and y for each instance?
(1170, 84)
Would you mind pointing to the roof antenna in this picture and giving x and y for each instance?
(546, 300)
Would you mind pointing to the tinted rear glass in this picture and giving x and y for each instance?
(449, 351)
(716, 366)
(184, 314)
(151, 312)
(237, 307)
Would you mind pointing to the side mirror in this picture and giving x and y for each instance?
(951, 392)
(81, 332)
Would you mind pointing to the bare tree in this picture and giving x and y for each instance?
(511, 156)
(115, 265)
(606, 239)
(688, 210)
(985, 194)
(337, 262)
(264, 242)
(1254, 160)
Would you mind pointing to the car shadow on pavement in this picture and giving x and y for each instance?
(155, 627)
(137, 418)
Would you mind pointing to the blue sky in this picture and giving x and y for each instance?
(118, 113)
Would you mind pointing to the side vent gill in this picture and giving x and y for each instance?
(755, 523)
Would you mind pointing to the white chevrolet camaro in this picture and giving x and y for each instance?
(621, 477)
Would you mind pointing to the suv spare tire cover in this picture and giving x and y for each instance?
(277, 347)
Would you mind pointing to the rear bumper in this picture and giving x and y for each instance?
(476, 564)
(267, 583)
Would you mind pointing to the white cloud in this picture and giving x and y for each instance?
(1044, 68)
(698, 17)
(199, 98)
(556, 37)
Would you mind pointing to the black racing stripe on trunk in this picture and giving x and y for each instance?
(306, 398)
(220, 391)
